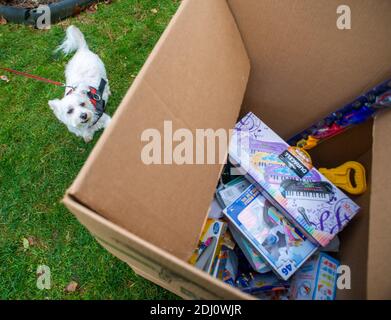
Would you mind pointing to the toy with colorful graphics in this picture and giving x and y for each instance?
(205, 257)
(253, 257)
(316, 280)
(285, 177)
(354, 113)
(281, 246)
(227, 263)
(255, 283)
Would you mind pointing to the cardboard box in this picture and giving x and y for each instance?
(287, 62)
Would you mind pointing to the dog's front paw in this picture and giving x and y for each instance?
(88, 138)
(106, 121)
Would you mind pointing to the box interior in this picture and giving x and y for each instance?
(302, 68)
(309, 70)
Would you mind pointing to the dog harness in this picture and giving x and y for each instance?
(95, 96)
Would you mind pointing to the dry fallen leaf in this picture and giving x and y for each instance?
(32, 241)
(2, 20)
(154, 10)
(72, 286)
(92, 8)
(26, 244)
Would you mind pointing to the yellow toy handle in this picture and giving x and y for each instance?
(308, 144)
(343, 175)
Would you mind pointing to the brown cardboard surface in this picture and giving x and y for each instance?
(196, 77)
(354, 240)
(379, 259)
(155, 262)
(355, 144)
(302, 66)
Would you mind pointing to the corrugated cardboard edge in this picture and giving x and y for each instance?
(151, 262)
(379, 259)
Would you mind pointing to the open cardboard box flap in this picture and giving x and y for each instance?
(302, 68)
(195, 77)
(379, 242)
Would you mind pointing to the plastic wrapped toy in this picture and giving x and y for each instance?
(354, 113)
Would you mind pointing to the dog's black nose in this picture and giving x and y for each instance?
(83, 116)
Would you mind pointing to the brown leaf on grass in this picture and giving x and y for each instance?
(3, 20)
(92, 8)
(154, 10)
(72, 286)
(32, 241)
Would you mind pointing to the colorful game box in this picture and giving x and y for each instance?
(227, 265)
(255, 283)
(206, 255)
(282, 246)
(232, 190)
(316, 280)
(287, 179)
(253, 257)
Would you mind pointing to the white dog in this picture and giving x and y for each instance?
(87, 89)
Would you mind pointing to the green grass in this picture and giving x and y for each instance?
(39, 158)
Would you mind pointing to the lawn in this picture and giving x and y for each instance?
(39, 158)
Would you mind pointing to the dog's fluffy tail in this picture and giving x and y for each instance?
(74, 40)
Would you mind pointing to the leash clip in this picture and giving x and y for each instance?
(96, 96)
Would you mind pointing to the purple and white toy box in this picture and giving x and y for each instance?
(287, 179)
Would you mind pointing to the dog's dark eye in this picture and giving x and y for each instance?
(70, 111)
(82, 104)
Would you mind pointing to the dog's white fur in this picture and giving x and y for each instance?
(84, 70)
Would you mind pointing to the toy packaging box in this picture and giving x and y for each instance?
(256, 283)
(287, 179)
(226, 267)
(281, 245)
(254, 258)
(206, 255)
(229, 192)
(316, 280)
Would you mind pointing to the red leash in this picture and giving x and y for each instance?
(31, 76)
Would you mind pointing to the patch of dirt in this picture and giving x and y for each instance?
(26, 3)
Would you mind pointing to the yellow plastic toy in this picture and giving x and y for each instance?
(309, 143)
(350, 177)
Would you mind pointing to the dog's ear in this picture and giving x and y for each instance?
(54, 104)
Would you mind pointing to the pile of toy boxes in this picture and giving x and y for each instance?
(273, 218)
